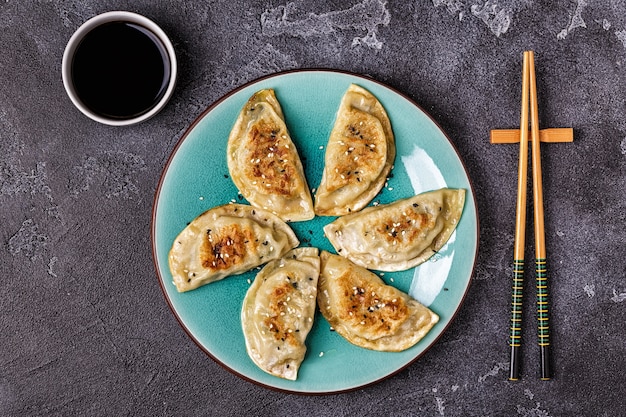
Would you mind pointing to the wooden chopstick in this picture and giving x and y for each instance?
(543, 329)
(515, 335)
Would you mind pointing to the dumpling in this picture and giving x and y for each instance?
(278, 310)
(264, 163)
(359, 155)
(400, 235)
(227, 240)
(366, 311)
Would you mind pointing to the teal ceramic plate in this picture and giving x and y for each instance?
(196, 178)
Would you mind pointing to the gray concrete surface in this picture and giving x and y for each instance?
(84, 327)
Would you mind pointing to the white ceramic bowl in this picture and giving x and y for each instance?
(77, 37)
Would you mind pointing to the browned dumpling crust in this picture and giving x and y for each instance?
(359, 155)
(366, 311)
(278, 312)
(400, 235)
(227, 240)
(264, 162)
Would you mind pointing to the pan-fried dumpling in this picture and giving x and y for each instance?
(264, 163)
(359, 155)
(366, 311)
(278, 310)
(227, 240)
(400, 235)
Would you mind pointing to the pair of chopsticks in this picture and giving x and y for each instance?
(529, 99)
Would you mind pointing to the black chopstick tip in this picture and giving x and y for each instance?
(514, 364)
(546, 368)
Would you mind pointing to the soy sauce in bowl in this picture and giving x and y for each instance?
(120, 70)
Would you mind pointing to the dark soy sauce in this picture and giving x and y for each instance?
(120, 70)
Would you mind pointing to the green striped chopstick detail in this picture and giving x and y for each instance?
(543, 329)
(515, 335)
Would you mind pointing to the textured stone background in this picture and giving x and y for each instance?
(84, 327)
